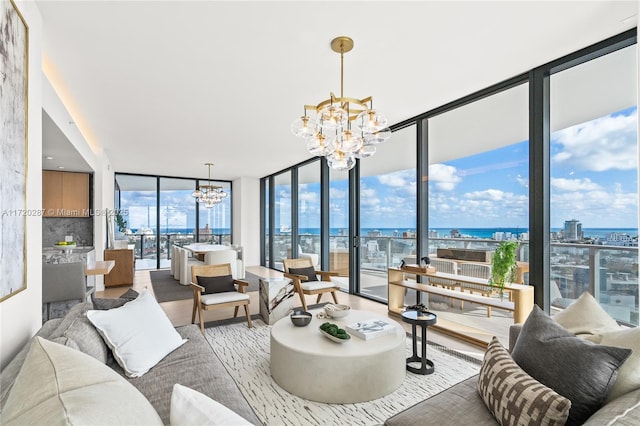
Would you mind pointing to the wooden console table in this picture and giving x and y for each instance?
(520, 303)
(100, 267)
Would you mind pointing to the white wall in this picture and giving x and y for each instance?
(246, 218)
(21, 315)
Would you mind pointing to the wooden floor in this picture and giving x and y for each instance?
(179, 312)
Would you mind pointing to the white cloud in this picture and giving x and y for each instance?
(444, 177)
(491, 207)
(310, 197)
(562, 184)
(395, 180)
(369, 197)
(336, 194)
(597, 208)
(603, 144)
(523, 181)
(487, 194)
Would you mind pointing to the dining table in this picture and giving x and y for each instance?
(200, 249)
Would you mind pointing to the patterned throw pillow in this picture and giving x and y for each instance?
(514, 397)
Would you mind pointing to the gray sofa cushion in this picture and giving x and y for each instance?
(86, 338)
(196, 366)
(622, 411)
(458, 405)
(577, 369)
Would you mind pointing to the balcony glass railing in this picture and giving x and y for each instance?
(610, 273)
(145, 244)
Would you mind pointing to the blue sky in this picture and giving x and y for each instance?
(594, 178)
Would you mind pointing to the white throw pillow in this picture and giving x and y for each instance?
(139, 333)
(628, 378)
(585, 316)
(60, 385)
(190, 407)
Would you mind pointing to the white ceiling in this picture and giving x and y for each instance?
(165, 86)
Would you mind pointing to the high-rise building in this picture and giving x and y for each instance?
(572, 230)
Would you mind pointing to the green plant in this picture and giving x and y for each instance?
(122, 224)
(503, 265)
(335, 331)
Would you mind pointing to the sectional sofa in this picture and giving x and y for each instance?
(193, 365)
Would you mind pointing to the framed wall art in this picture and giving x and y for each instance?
(13, 149)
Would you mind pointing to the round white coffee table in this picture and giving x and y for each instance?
(307, 364)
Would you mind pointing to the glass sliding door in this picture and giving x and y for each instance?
(282, 217)
(594, 184)
(266, 227)
(177, 216)
(339, 226)
(388, 211)
(478, 195)
(138, 203)
(309, 212)
(214, 223)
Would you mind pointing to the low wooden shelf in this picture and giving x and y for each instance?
(520, 302)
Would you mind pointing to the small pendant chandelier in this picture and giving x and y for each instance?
(344, 128)
(209, 194)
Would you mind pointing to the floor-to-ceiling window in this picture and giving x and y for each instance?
(177, 215)
(160, 211)
(309, 212)
(139, 204)
(388, 210)
(594, 184)
(214, 223)
(492, 170)
(478, 190)
(339, 225)
(282, 217)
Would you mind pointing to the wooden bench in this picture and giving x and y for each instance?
(520, 302)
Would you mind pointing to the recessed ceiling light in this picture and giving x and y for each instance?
(61, 167)
(48, 157)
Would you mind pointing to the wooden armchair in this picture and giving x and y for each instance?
(303, 285)
(222, 299)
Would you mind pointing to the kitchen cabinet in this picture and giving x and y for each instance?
(65, 194)
(122, 272)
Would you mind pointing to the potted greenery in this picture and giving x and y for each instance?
(503, 265)
(122, 224)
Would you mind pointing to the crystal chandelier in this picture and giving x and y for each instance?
(209, 194)
(344, 128)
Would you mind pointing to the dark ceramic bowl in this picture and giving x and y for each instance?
(300, 318)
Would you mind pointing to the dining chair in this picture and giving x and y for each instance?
(218, 257)
(305, 279)
(175, 254)
(186, 263)
(220, 292)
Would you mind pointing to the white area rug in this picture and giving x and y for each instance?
(245, 353)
